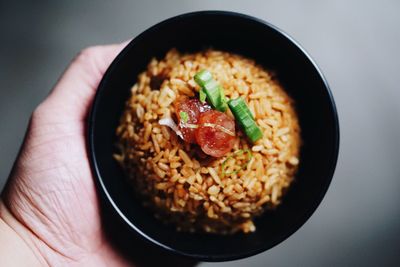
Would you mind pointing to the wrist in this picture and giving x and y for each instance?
(17, 244)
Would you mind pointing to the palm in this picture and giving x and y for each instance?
(52, 191)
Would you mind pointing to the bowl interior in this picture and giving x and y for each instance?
(273, 50)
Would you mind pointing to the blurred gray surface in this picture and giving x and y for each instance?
(356, 44)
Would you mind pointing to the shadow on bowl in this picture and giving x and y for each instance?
(270, 48)
(134, 249)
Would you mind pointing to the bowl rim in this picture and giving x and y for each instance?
(103, 189)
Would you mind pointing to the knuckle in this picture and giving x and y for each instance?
(87, 54)
(39, 110)
(37, 113)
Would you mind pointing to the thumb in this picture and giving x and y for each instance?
(72, 95)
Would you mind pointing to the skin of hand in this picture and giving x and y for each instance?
(49, 210)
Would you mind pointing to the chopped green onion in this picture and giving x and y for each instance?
(184, 116)
(202, 77)
(202, 95)
(213, 91)
(242, 167)
(224, 100)
(254, 132)
(239, 104)
(215, 95)
(245, 118)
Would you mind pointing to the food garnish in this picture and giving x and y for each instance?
(212, 89)
(242, 167)
(245, 118)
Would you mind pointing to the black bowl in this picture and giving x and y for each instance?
(269, 47)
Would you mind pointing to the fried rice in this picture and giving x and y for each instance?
(216, 195)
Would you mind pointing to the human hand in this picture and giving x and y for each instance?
(50, 199)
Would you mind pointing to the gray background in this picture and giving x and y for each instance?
(356, 45)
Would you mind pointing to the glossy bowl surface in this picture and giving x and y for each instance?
(268, 46)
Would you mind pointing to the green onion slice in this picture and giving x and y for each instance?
(242, 167)
(202, 95)
(245, 118)
(240, 104)
(215, 95)
(184, 121)
(213, 91)
(202, 77)
(184, 116)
